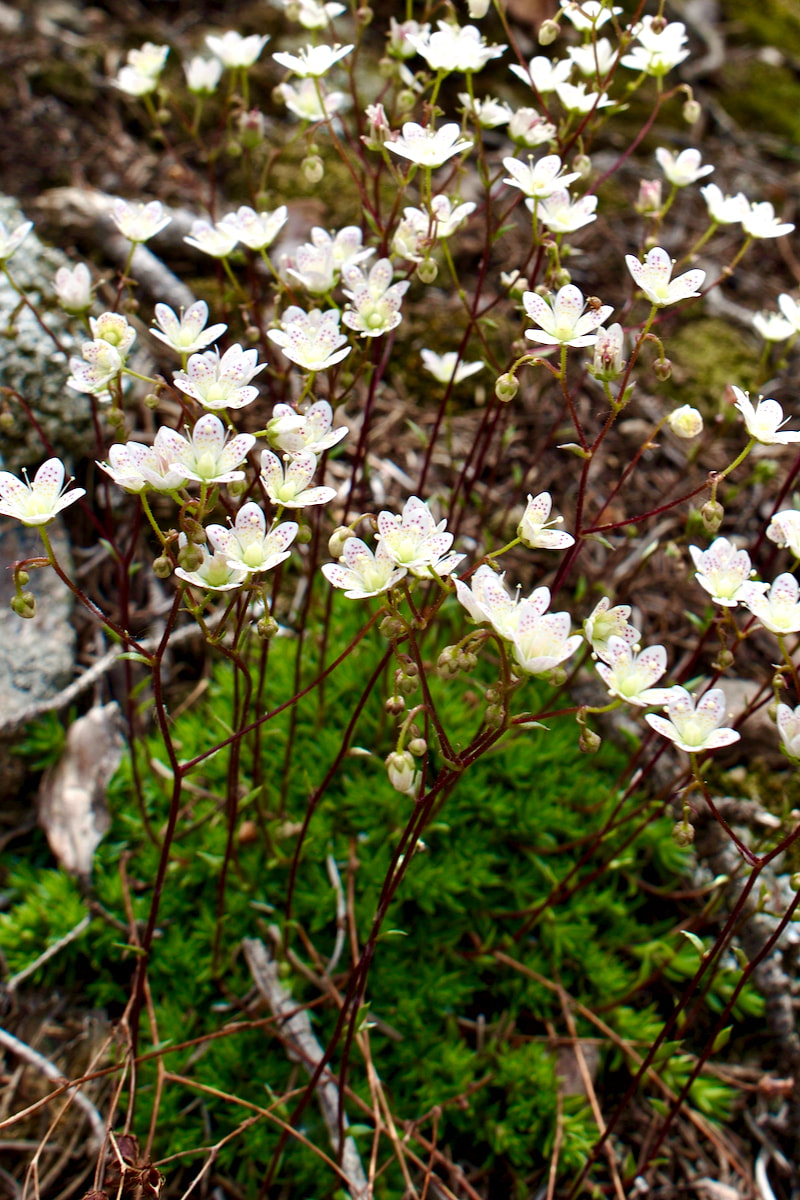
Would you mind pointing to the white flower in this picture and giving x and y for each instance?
(452, 48)
(589, 15)
(683, 169)
(11, 241)
(73, 286)
(533, 530)
(561, 214)
(312, 14)
(779, 612)
(761, 222)
(562, 320)
(402, 773)
(248, 546)
(362, 573)
(725, 210)
(653, 277)
(374, 298)
(429, 147)
(784, 530)
(217, 240)
(139, 222)
(477, 9)
(789, 729)
(488, 599)
(318, 263)
(39, 502)
(723, 570)
(594, 59)
(414, 541)
(419, 229)
(214, 573)
(772, 326)
(312, 61)
(313, 340)
(288, 485)
(101, 363)
(221, 382)
(661, 48)
(187, 333)
(764, 421)
(542, 640)
(309, 103)
(543, 73)
(685, 422)
(790, 309)
(136, 467)
(605, 622)
(235, 51)
(149, 59)
(295, 432)
(609, 349)
(631, 676)
(114, 329)
(538, 179)
(446, 368)
(489, 113)
(206, 455)
(399, 43)
(529, 128)
(133, 83)
(575, 98)
(691, 727)
(202, 75)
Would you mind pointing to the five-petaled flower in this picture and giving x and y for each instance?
(631, 676)
(287, 484)
(429, 147)
(247, 545)
(777, 608)
(449, 368)
(788, 720)
(534, 528)
(681, 169)
(653, 277)
(313, 340)
(693, 727)
(765, 420)
(205, 455)
(360, 573)
(186, 333)
(138, 222)
(454, 48)
(605, 622)
(413, 540)
(723, 570)
(213, 573)
(11, 241)
(562, 320)
(235, 51)
(294, 431)
(221, 382)
(784, 530)
(312, 61)
(538, 179)
(374, 299)
(39, 502)
(542, 640)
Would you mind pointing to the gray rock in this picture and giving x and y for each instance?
(31, 363)
(37, 655)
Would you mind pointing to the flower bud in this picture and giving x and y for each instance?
(303, 535)
(151, 401)
(21, 578)
(427, 270)
(73, 286)
(337, 540)
(395, 705)
(447, 664)
(648, 202)
(662, 368)
(236, 488)
(406, 100)
(583, 165)
(401, 770)
(723, 661)
(162, 567)
(24, 605)
(589, 742)
(267, 627)
(115, 418)
(194, 531)
(404, 684)
(247, 833)
(683, 833)
(418, 746)
(364, 15)
(506, 387)
(313, 168)
(608, 363)
(391, 627)
(477, 8)
(189, 557)
(692, 111)
(494, 716)
(712, 514)
(548, 32)
(794, 881)
(562, 278)
(233, 149)
(685, 422)
(252, 128)
(6, 421)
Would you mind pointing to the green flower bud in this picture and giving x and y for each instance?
(506, 387)
(6, 421)
(712, 514)
(24, 605)
(427, 270)
(663, 369)
(589, 742)
(236, 488)
(162, 566)
(548, 32)
(683, 833)
(304, 535)
(418, 746)
(151, 401)
(189, 557)
(692, 112)
(337, 540)
(313, 168)
(395, 705)
(266, 628)
(194, 531)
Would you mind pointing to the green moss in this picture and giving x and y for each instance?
(707, 355)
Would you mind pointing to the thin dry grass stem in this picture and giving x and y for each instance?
(552, 1170)
(213, 1152)
(591, 1094)
(50, 1071)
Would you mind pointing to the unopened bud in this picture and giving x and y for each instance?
(303, 536)
(115, 418)
(589, 742)
(712, 514)
(562, 278)
(648, 201)
(395, 705)
(427, 270)
(548, 32)
(794, 881)
(692, 112)
(162, 567)
(583, 165)
(189, 557)
(494, 716)
(506, 387)
(406, 685)
(151, 400)
(723, 661)
(683, 833)
(6, 421)
(447, 664)
(337, 540)
(418, 746)
(662, 368)
(236, 488)
(658, 25)
(477, 8)
(401, 770)
(24, 605)
(406, 99)
(391, 627)
(21, 578)
(267, 627)
(313, 168)
(233, 149)
(685, 422)
(364, 15)
(252, 128)
(194, 531)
